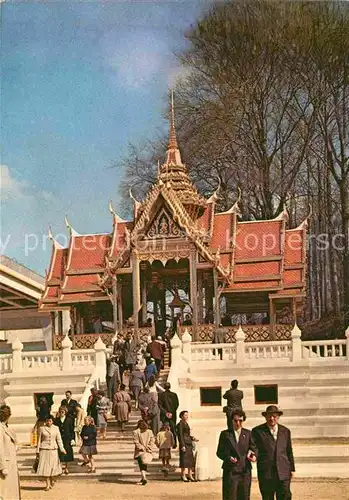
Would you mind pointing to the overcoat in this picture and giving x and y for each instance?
(273, 453)
(9, 483)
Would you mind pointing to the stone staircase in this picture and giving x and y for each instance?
(315, 403)
(115, 453)
(114, 460)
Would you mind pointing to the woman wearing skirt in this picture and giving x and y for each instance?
(49, 442)
(65, 425)
(89, 442)
(186, 455)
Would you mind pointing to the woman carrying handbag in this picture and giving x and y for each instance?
(143, 439)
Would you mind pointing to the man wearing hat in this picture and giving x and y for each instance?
(275, 463)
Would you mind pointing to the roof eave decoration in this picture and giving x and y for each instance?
(136, 203)
(234, 209)
(70, 227)
(304, 225)
(54, 241)
(116, 218)
(283, 215)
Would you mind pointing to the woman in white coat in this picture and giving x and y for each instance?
(49, 441)
(9, 478)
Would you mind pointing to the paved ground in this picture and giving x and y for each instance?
(173, 490)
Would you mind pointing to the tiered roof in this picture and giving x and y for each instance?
(248, 255)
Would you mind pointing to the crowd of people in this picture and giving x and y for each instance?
(268, 444)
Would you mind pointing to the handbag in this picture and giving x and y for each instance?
(34, 437)
(36, 464)
(146, 458)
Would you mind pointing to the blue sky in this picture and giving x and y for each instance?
(80, 80)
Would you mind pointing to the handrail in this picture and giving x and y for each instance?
(92, 382)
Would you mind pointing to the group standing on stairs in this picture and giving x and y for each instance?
(133, 365)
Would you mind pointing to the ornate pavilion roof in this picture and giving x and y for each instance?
(249, 256)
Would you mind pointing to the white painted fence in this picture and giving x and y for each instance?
(6, 363)
(294, 350)
(65, 360)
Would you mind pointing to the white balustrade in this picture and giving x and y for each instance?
(323, 349)
(41, 360)
(85, 357)
(201, 352)
(268, 350)
(6, 363)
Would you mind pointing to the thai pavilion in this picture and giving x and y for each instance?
(178, 255)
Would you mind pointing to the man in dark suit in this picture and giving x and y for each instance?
(234, 397)
(168, 404)
(237, 450)
(275, 464)
(70, 404)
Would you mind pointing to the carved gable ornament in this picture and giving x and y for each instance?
(163, 226)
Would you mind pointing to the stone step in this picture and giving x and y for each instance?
(308, 411)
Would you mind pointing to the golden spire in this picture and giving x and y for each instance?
(172, 143)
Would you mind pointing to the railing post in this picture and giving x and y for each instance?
(17, 363)
(66, 354)
(296, 344)
(101, 363)
(186, 341)
(240, 346)
(347, 346)
(176, 349)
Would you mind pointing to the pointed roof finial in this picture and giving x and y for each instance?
(51, 237)
(70, 227)
(172, 143)
(115, 215)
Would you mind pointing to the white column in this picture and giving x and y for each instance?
(176, 349)
(135, 288)
(240, 346)
(217, 312)
(347, 336)
(193, 290)
(101, 364)
(17, 348)
(66, 354)
(296, 343)
(144, 301)
(120, 316)
(115, 304)
(66, 321)
(186, 342)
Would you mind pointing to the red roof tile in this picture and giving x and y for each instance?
(204, 221)
(221, 234)
(250, 285)
(258, 239)
(119, 238)
(82, 281)
(256, 269)
(82, 297)
(88, 251)
(293, 276)
(294, 246)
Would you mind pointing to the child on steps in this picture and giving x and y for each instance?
(165, 441)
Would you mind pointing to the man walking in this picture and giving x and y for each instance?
(168, 404)
(237, 450)
(275, 464)
(113, 377)
(70, 403)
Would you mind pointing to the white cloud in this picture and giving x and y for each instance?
(137, 59)
(177, 73)
(10, 187)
